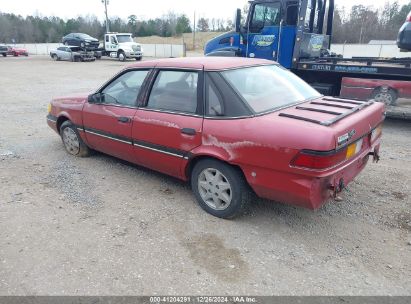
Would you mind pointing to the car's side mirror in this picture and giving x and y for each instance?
(237, 21)
(95, 98)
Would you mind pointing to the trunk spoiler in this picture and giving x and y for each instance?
(351, 106)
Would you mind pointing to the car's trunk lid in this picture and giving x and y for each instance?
(349, 119)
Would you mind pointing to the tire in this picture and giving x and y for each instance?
(82, 44)
(385, 95)
(4, 55)
(72, 140)
(121, 56)
(139, 58)
(15, 55)
(55, 57)
(223, 203)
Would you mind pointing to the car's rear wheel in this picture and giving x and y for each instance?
(385, 95)
(4, 55)
(55, 57)
(72, 140)
(219, 188)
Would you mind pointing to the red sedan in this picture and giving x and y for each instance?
(225, 125)
(16, 51)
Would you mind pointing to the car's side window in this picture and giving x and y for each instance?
(124, 90)
(174, 91)
(221, 99)
(214, 100)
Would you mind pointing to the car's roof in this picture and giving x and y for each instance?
(206, 63)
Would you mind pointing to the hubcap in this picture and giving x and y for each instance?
(71, 141)
(121, 57)
(214, 189)
(384, 97)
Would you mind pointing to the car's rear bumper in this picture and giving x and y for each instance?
(306, 190)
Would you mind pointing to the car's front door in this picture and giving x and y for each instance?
(263, 36)
(108, 122)
(67, 53)
(169, 125)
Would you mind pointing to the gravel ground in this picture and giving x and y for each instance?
(100, 226)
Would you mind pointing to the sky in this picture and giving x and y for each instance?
(142, 9)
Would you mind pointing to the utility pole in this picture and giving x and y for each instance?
(194, 32)
(105, 2)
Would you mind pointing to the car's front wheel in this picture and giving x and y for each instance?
(122, 56)
(219, 188)
(72, 140)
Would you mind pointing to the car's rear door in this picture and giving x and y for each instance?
(108, 123)
(169, 124)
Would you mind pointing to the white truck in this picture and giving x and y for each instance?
(120, 46)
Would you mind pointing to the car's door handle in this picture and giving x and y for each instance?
(188, 131)
(124, 119)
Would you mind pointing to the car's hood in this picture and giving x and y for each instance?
(129, 44)
(72, 99)
(91, 40)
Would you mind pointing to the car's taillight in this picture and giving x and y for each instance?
(376, 133)
(318, 160)
(409, 17)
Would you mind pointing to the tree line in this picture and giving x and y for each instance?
(359, 24)
(39, 29)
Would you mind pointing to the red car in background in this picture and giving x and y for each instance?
(225, 125)
(15, 51)
(386, 91)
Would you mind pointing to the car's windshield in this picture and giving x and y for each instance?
(124, 38)
(268, 87)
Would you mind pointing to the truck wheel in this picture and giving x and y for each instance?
(385, 95)
(72, 140)
(219, 188)
(121, 56)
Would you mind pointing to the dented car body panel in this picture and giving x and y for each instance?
(270, 148)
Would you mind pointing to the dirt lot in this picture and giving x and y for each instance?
(100, 226)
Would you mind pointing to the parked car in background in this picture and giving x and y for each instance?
(225, 125)
(404, 35)
(81, 40)
(3, 50)
(72, 53)
(13, 51)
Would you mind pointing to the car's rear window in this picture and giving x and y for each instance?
(269, 87)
